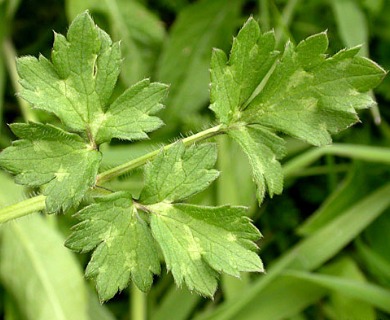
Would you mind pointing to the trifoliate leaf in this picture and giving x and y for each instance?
(77, 84)
(303, 93)
(178, 173)
(123, 245)
(63, 162)
(198, 243)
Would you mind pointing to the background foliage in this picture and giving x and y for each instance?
(326, 238)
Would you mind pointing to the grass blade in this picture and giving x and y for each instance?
(373, 294)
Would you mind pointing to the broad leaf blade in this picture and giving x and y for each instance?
(77, 84)
(49, 156)
(369, 293)
(43, 277)
(178, 173)
(234, 81)
(128, 116)
(302, 93)
(200, 242)
(140, 31)
(123, 245)
(310, 96)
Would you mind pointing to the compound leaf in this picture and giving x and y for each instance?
(303, 93)
(178, 173)
(200, 242)
(123, 245)
(77, 85)
(46, 155)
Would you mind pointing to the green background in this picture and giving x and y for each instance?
(326, 238)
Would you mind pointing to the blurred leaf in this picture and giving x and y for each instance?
(378, 235)
(2, 61)
(284, 298)
(139, 29)
(9, 191)
(185, 60)
(235, 171)
(308, 254)
(42, 275)
(341, 305)
(378, 266)
(350, 191)
(351, 24)
(373, 6)
(370, 293)
(95, 309)
(180, 300)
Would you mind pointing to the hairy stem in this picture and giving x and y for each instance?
(22, 208)
(35, 204)
(123, 168)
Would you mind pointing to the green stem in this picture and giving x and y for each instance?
(38, 203)
(365, 153)
(22, 208)
(137, 303)
(126, 167)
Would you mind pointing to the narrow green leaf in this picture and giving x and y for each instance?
(235, 171)
(178, 173)
(200, 242)
(341, 304)
(96, 310)
(49, 156)
(348, 193)
(40, 273)
(351, 23)
(180, 300)
(123, 245)
(377, 265)
(306, 256)
(373, 294)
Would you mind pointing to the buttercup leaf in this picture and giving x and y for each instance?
(122, 242)
(46, 155)
(302, 93)
(198, 243)
(76, 85)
